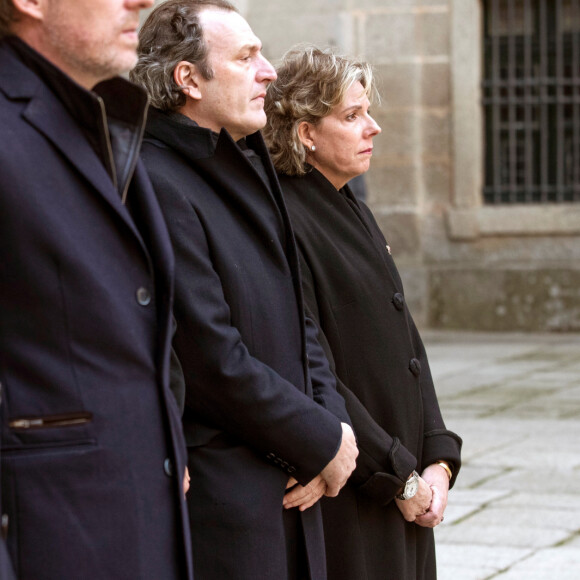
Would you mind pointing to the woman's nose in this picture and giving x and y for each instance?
(373, 127)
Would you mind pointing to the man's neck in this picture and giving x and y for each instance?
(34, 37)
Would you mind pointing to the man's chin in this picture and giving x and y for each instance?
(259, 122)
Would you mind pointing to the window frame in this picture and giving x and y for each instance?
(468, 218)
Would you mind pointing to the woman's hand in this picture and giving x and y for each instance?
(306, 496)
(438, 480)
(418, 504)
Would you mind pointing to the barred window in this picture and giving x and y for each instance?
(531, 100)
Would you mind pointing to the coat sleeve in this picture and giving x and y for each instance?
(322, 378)
(227, 387)
(383, 464)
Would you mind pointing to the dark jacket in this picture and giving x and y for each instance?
(250, 419)
(6, 569)
(354, 291)
(92, 449)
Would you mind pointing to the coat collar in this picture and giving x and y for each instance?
(188, 139)
(44, 110)
(219, 159)
(314, 181)
(195, 142)
(112, 115)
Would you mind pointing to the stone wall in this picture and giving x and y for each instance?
(408, 44)
(464, 265)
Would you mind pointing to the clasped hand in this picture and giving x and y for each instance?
(330, 480)
(428, 505)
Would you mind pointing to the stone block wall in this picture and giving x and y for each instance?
(408, 43)
(464, 265)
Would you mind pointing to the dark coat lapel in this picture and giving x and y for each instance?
(257, 143)
(147, 212)
(231, 174)
(318, 194)
(47, 115)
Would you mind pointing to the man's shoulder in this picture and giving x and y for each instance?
(162, 159)
(17, 81)
(173, 174)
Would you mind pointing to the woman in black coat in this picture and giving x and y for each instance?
(320, 136)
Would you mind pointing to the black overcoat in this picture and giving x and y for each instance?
(250, 419)
(89, 427)
(354, 291)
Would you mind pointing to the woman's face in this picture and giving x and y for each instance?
(343, 139)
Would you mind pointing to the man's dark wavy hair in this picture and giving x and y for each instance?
(172, 33)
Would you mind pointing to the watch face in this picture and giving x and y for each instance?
(411, 487)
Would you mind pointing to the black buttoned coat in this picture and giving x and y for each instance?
(89, 429)
(250, 418)
(354, 291)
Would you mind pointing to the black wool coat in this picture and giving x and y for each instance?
(90, 434)
(250, 416)
(354, 292)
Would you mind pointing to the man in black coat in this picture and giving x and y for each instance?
(261, 412)
(91, 441)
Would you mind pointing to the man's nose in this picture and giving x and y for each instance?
(266, 71)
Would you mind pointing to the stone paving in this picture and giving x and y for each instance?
(514, 513)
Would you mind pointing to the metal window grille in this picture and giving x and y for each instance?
(531, 99)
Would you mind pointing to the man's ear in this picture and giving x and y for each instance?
(186, 76)
(306, 135)
(33, 8)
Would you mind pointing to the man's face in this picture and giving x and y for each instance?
(91, 40)
(234, 98)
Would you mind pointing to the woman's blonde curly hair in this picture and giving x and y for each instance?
(310, 83)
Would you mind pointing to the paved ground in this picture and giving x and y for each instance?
(515, 510)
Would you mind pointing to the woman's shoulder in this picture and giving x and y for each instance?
(292, 183)
(302, 196)
(311, 188)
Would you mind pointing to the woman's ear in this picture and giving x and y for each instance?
(305, 134)
(186, 77)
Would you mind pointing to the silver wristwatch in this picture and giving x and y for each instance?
(411, 487)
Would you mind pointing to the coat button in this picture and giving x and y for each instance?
(415, 367)
(143, 296)
(398, 301)
(168, 467)
(291, 469)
